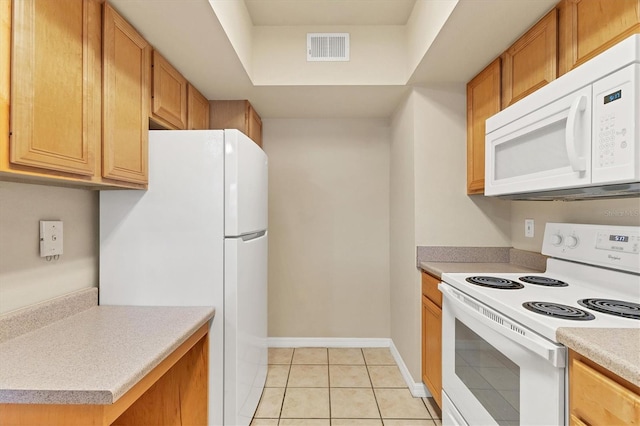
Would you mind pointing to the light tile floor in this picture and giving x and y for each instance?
(339, 387)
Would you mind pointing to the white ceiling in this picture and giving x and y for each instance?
(190, 36)
(329, 12)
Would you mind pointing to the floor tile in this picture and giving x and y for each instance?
(434, 410)
(350, 356)
(349, 376)
(310, 356)
(270, 403)
(309, 376)
(438, 422)
(356, 422)
(405, 422)
(305, 403)
(264, 422)
(277, 376)
(305, 422)
(400, 404)
(386, 376)
(280, 355)
(355, 403)
(378, 356)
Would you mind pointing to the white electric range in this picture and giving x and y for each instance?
(502, 363)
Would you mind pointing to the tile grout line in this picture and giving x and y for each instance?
(373, 390)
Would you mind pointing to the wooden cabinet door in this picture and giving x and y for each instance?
(483, 101)
(169, 94)
(5, 83)
(127, 79)
(56, 85)
(599, 397)
(432, 348)
(531, 62)
(589, 27)
(197, 109)
(254, 125)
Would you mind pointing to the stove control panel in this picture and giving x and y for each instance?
(611, 246)
(618, 242)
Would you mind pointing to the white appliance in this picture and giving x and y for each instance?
(577, 137)
(198, 236)
(501, 361)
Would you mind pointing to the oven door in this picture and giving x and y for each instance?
(496, 372)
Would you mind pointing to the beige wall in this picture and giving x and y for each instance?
(328, 227)
(25, 277)
(377, 57)
(428, 179)
(404, 296)
(625, 211)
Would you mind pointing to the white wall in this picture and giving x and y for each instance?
(328, 227)
(25, 277)
(428, 167)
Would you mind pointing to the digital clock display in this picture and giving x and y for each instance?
(619, 238)
(613, 97)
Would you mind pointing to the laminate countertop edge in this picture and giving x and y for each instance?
(616, 349)
(95, 356)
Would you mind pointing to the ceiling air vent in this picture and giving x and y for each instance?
(327, 47)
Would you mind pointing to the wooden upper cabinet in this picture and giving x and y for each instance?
(197, 109)
(56, 85)
(169, 94)
(588, 27)
(127, 82)
(5, 73)
(483, 101)
(531, 62)
(236, 114)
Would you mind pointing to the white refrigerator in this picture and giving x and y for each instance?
(198, 236)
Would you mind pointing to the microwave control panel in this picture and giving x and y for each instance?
(615, 126)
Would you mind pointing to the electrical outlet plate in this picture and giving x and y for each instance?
(528, 228)
(50, 238)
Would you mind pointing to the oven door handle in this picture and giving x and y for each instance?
(555, 354)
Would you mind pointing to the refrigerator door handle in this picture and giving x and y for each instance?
(253, 236)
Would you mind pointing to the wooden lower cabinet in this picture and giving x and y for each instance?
(597, 397)
(236, 114)
(174, 393)
(432, 336)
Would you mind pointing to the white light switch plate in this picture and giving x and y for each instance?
(50, 238)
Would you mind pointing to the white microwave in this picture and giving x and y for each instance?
(576, 138)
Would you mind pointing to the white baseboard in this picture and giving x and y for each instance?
(418, 390)
(327, 342)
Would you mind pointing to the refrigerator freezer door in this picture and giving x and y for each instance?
(246, 185)
(245, 308)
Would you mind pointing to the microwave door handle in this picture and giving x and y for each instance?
(578, 163)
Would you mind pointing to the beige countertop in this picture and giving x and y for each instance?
(95, 356)
(616, 349)
(439, 268)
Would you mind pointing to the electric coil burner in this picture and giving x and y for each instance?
(545, 281)
(619, 308)
(495, 282)
(558, 310)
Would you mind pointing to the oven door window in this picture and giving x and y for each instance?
(490, 376)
